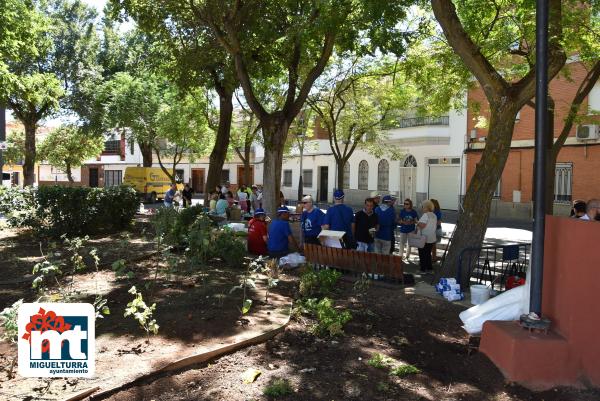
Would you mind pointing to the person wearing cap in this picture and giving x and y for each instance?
(365, 227)
(257, 233)
(340, 217)
(386, 215)
(376, 198)
(280, 234)
(311, 221)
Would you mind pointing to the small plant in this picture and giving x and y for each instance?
(200, 247)
(271, 269)
(404, 370)
(8, 320)
(229, 247)
(362, 285)
(314, 283)
(278, 388)
(100, 307)
(383, 387)
(119, 266)
(247, 280)
(330, 321)
(142, 313)
(380, 361)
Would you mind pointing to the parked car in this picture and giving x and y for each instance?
(151, 183)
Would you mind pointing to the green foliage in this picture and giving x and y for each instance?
(380, 361)
(19, 206)
(278, 388)
(395, 368)
(8, 320)
(330, 321)
(15, 151)
(68, 146)
(404, 370)
(229, 247)
(142, 313)
(200, 247)
(362, 285)
(80, 210)
(164, 221)
(322, 282)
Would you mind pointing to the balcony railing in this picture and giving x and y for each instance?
(421, 121)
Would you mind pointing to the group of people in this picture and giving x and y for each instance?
(248, 198)
(371, 229)
(173, 196)
(589, 210)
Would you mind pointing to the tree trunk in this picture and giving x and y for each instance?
(247, 178)
(275, 135)
(340, 172)
(69, 173)
(146, 150)
(219, 152)
(29, 164)
(473, 218)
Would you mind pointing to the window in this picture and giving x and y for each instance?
(410, 161)
(307, 178)
(383, 175)
(112, 146)
(363, 175)
(287, 178)
(498, 192)
(563, 182)
(347, 175)
(178, 176)
(113, 178)
(224, 176)
(132, 146)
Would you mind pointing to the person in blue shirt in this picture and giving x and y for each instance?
(280, 234)
(340, 217)
(408, 219)
(386, 216)
(311, 221)
(170, 196)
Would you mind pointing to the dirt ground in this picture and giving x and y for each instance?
(195, 307)
(411, 329)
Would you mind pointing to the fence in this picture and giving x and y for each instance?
(492, 265)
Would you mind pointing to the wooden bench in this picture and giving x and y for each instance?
(388, 266)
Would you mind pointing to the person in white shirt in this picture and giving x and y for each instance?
(427, 225)
(592, 211)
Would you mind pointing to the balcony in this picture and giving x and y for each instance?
(112, 147)
(422, 121)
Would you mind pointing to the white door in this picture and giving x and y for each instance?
(444, 184)
(407, 183)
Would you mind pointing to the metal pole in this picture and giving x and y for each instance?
(300, 183)
(541, 127)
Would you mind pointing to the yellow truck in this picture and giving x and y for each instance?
(151, 183)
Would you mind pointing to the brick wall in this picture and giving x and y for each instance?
(518, 171)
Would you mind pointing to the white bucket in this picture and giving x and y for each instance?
(479, 294)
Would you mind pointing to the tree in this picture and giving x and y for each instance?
(294, 40)
(67, 147)
(191, 55)
(244, 134)
(184, 129)
(41, 77)
(355, 103)
(131, 105)
(15, 152)
(487, 36)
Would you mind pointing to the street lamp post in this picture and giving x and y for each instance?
(2, 139)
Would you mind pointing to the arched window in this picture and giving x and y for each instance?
(363, 175)
(347, 175)
(383, 175)
(410, 161)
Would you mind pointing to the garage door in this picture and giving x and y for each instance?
(444, 183)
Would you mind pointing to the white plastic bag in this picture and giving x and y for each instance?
(292, 260)
(506, 306)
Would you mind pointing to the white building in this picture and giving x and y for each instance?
(433, 165)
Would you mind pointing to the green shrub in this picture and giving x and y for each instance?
(404, 370)
(229, 247)
(330, 321)
(163, 222)
(278, 388)
(200, 248)
(57, 210)
(18, 205)
(175, 225)
(314, 283)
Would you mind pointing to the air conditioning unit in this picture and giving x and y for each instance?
(587, 132)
